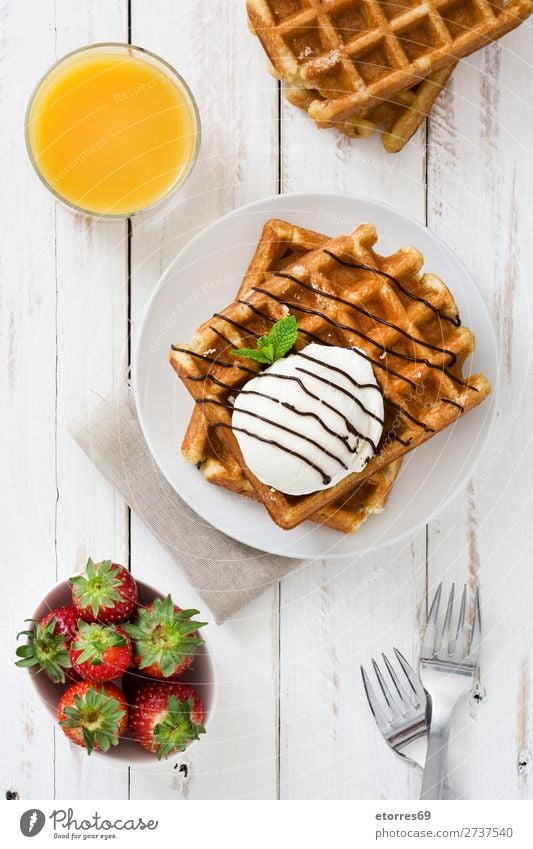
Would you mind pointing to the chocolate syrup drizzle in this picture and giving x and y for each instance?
(341, 371)
(438, 348)
(305, 414)
(235, 391)
(455, 320)
(425, 427)
(325, 477)
(315, 338)
(208, 359)
(351, 429)
(453, 403)
(220, 335)
(306, 310)
(344, 391)
(383, 348)
(237, 325)
(281, 427)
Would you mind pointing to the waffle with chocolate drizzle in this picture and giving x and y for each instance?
(280, 244)
(345, 294)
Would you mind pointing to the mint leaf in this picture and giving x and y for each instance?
(283, 336)
(267, 348)
(275, 344)
(251, 354)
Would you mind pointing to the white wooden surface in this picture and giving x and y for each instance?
(291, 719)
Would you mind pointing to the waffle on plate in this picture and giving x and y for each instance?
(280, 244)
(345, 295)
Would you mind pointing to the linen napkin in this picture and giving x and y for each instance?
(225, 573)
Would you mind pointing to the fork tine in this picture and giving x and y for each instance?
(382, 721)
(476, 628)
(405, 703)
(446, 637)
(412, 678)
(428, 643)
(393, 707)
(460, 640)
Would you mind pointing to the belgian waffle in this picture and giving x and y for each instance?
(398, 118)
(344, 294)
(358, 53)
(280, 244)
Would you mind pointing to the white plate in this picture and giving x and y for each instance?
(204, 278)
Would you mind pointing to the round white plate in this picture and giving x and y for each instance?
(204, 278)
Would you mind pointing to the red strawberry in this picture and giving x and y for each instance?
(165, 718)
(100, 652)
(165, 638)
(66, 619)
(48, 644)
(93, 716)
(105, 592)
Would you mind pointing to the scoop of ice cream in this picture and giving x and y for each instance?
(310, 419)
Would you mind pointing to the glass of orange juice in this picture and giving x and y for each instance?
(112, 130)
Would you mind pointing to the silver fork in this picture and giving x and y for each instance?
(448, 666)
(402, 717)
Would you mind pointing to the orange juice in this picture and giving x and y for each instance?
(112, 129)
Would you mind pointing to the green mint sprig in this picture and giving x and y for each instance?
(278, 342)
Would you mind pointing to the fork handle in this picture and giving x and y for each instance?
(435, 769)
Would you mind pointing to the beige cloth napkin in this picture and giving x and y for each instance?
(226, 574)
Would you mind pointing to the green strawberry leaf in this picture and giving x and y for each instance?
(46, 651)
(93, 640)
(98, 715)
(176, 730)
(278, 342)
(98, 587)
(164, 636)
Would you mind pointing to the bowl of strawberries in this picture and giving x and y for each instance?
(120, 666)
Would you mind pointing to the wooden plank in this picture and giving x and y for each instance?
(327, 161)
(238, 756)
(336, 616)
(27, 426)
(209, 44)
(49, 318)
(480, 183)
(91, 327)
(333, 618)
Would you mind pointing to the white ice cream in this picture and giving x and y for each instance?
(327, 449)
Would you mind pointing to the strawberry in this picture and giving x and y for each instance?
(93, 716)
(165, 638)
(105, 592)
(100, 652)
(165, 718)
(48, 645)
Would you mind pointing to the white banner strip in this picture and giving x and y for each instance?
(254, 825)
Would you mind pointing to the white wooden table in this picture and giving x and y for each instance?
(291, 719)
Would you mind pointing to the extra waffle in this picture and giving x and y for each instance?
(398, 119)
(344, 294)
(358, 53)
(280, 244)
